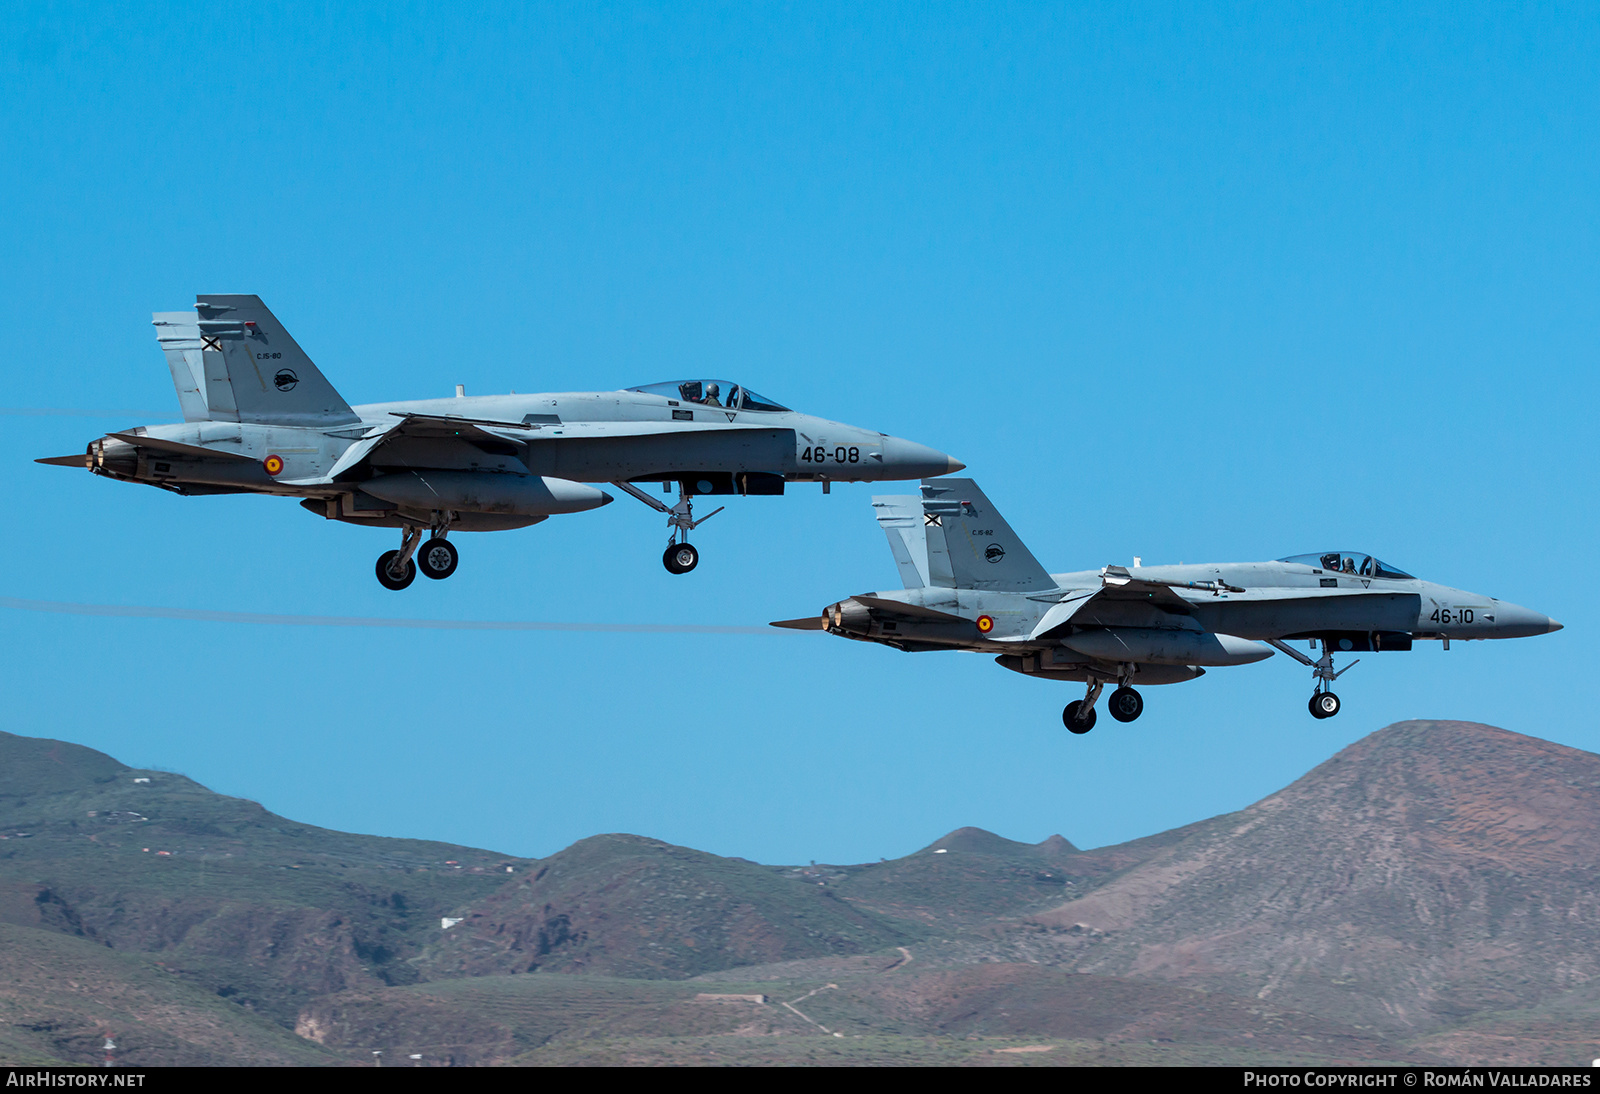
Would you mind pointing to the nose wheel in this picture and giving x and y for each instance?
(1324, 704)
(680, 558)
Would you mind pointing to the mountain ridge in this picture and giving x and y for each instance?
(1407, 900)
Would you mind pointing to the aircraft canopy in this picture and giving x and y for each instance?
(717, 393)
(1348, 562)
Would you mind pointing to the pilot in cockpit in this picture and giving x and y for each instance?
(1349, 565)
(712, 391)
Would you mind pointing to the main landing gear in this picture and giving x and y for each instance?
(437, 559)
(1324, 703)
(680, 556)
(1125, 705)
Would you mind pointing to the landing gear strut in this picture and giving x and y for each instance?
(680, 556)
(1079, 717)
(396, 569)
(1324, 703)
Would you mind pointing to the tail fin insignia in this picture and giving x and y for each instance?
(232, 361)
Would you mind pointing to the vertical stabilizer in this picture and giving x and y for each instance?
(901, 520)
(251, 370)
(974, 544)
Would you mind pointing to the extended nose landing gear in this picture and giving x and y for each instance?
(680, 556)
(1324, 703)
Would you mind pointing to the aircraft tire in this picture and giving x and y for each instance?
(438, 559)
(387, 580)
(1069, 718)
(680, 558)
(1125, 704)
(1324, 704)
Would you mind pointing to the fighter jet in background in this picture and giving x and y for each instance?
(260, 418)
(970, 584)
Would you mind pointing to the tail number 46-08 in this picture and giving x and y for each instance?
(820, 454)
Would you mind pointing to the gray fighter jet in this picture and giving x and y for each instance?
(260, 418)
(970, 584)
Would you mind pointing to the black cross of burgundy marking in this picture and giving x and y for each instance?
(209, 342)
(933, 519)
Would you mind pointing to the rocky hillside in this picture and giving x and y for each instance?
(1428, 872)
(243, 904)
(636, 907)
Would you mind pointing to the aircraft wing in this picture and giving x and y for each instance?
(1130, 603)
(431, 426)
(446, 425)
(480, 430)
(557, 431)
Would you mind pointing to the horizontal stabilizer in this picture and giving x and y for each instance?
(914, 611)
(177, 448)
(809, 623)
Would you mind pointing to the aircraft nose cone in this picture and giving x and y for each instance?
(904, 459)
(955, 465)
(1514, 621)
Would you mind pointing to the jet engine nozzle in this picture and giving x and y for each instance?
(848, 617)
(109, 456)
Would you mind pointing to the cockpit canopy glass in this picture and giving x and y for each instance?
(717, 393)
(1356, 563)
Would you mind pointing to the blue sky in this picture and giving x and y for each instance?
(1198, 283)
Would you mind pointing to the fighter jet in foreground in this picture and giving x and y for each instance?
(970, 584)
(260, 418)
